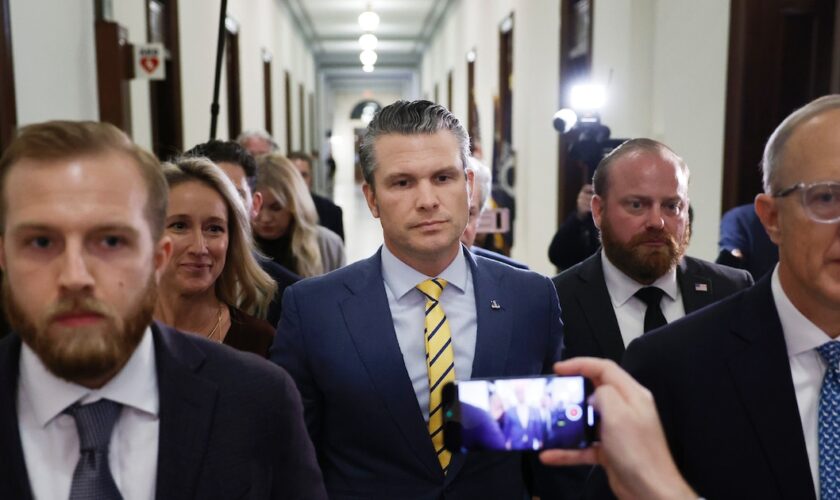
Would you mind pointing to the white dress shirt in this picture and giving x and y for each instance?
(630, 310)
(807, 367)
(408, 305)
(51, 442)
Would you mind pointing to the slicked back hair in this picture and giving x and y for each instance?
(410, 118)
(600, 181)
(775, 148)
(57, 140)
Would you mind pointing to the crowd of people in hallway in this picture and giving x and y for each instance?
(191, 328)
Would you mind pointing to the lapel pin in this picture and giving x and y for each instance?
(701, 287)
(494, 305)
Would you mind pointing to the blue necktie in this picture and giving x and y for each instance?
(829, 422)
(92, 479)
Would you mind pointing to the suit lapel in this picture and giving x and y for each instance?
(369, 322)
(761, 373)
(696, 289)
(14, 480)
(494, 321)
(187, 404)
(595, 302)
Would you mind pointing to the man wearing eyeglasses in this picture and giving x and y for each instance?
(749, 389)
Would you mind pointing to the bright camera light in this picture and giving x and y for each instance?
(369, 20)
(588, 97)
(367, 68)
(368, 41)
(368, 57)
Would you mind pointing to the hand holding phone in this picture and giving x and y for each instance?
(518, 414)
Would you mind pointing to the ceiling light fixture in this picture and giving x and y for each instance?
(369, 20)
(367, 68)
(368, 57)
(368, 41)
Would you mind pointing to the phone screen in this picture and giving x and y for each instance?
(518, 414)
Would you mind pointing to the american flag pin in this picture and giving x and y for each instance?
(701, 287)
(494, 305)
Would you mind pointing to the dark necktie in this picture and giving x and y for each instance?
(829, 421)
(652, 296)
(92, 479)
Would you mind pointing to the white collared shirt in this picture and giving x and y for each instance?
(807, 368)
(51, 442)
(408, 305)
(630, 310)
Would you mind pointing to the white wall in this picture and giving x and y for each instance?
(54, 60)
(55, 63)
(668, 63)
(474, 24)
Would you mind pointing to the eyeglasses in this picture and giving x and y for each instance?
(821, 200)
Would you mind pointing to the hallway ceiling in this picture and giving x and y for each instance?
(332, 30)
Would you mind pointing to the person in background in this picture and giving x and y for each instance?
(641, 279)
(212, 286)
(478, 203)
(241, 169)
(257, 142)
(744, 242)
(577, 238)
(96, 400)
(286, 227)
(330, 215)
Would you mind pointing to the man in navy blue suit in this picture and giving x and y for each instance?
(357, 340)
(96, 401)
(748, 389)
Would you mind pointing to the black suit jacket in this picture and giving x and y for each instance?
(330, 215)
(589, 323)
(284, 278)
(723, 387)
(231, 425)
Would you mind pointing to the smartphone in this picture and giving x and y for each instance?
(518, 414)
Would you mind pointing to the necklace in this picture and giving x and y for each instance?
(218, 322)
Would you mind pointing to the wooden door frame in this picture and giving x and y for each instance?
(8, 103)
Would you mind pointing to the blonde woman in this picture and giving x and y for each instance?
(212, 286)
(286, 228)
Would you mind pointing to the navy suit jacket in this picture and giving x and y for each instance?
(337, 340)
(231, 425)
(722, 383)
(590, 325)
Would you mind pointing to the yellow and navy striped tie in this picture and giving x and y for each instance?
(440, 360)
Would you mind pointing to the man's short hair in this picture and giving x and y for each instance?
(600, 181)
(483, 180)
(227, 152)
(57, 140)
(410, 118)
(257, 134)
(300, 155)
(775, 148)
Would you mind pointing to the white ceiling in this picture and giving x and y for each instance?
(332, 30)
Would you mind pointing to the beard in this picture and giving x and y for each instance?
(642, 263)
(84, 352)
